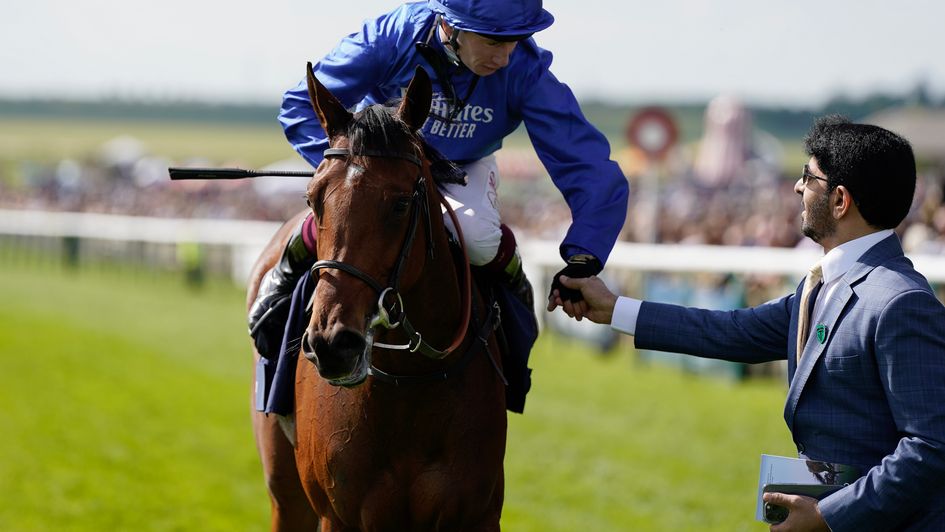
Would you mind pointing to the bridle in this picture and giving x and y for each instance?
(395, 315)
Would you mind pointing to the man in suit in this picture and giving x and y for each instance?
(863, 335)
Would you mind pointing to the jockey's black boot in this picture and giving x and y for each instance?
(270, 310)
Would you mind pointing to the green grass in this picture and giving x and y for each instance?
(126, 407)
(612, 445)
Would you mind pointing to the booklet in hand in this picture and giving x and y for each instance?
(798, 476)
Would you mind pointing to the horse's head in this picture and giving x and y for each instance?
(370, 198)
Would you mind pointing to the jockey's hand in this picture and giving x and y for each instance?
(578, 267)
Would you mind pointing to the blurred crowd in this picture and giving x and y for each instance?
(90, 186)
(679, 209)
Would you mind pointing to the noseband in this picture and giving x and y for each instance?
(395, 315)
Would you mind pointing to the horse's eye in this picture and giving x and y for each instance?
(402, 206)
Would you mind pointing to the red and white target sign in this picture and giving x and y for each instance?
(654, 131)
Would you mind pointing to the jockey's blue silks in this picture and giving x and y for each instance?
(375, 64)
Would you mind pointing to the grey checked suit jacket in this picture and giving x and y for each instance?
(871, 395)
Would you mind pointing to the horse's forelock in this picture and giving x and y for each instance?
(378, 128)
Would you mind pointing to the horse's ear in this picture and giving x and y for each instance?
(415, 106)
(333, 116)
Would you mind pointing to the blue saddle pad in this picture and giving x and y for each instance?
(275, 380)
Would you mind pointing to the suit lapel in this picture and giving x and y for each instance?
(814, 348)
(881, 252)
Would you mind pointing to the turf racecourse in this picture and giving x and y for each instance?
(125, 407)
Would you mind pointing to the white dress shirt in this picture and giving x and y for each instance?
(835, 264)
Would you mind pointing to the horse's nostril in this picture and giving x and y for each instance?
(348, 341)
(342, 342)
(338, 358)
(320, 345)
(312, 345)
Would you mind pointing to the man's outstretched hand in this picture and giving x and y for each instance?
(597, 304)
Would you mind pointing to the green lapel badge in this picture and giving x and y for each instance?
(821, 332)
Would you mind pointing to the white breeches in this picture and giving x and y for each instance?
(477, 209)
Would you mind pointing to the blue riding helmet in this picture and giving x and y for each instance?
(501, 18)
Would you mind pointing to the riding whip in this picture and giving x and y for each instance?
(178, 174)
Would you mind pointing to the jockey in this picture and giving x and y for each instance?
(488, 76)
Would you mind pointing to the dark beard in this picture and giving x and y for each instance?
(818, 224)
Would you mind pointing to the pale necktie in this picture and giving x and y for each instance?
(813, 278)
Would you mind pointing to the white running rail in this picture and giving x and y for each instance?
(249, 237)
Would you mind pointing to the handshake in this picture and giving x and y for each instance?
(595, 303)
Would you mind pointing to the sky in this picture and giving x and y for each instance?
(778, 52)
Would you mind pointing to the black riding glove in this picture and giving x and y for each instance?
(579, 266)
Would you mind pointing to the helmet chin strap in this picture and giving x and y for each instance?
(451, 45)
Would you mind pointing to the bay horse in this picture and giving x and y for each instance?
(393, 429)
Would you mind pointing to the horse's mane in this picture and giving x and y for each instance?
(377, 128)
